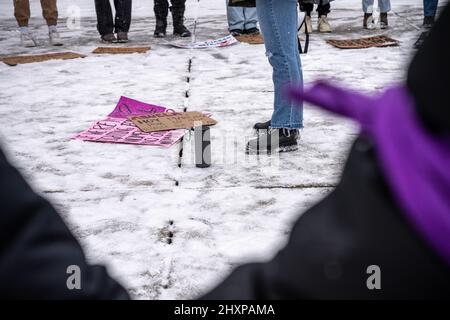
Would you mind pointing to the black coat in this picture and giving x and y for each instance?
(36, 248)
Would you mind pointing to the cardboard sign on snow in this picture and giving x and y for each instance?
(170, 121)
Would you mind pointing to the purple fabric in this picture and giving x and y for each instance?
(415, 163)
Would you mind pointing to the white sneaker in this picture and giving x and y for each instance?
(27, 40)
(323, 25)
(55, 39)
(307, 25)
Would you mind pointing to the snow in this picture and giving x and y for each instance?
(163, 240)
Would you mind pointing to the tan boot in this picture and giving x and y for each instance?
(307, 25)
(324, 25)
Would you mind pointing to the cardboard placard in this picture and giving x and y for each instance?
(120, 50)
(170, 121)
(362, 43)
(251, 38)
(15, 60)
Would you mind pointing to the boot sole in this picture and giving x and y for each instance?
(269, 152)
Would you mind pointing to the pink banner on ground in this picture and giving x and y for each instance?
(116, 130)
(127, 107)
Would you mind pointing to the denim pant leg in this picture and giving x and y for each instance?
(430, 8)
(236, 17)
(278, 22)
(250, 18)
(384, 5)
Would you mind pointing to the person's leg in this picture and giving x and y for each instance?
(123, 15)
(250, 18)
(367, 6)
(22, 12)
(429, 12)
(278, 22)
(323, 8)
(236, 19)
(105, 24)
(306, 6)
(50, 12)
(384, 6)
(430, 8)
(178, 8)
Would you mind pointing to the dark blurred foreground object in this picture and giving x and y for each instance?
(365, 221)
(390, 209)
(36, 248)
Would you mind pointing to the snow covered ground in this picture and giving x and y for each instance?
(165, 231)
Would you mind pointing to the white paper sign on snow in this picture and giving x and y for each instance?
(221, 42)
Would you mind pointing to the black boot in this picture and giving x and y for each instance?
(161, 9)
(160, 30)
(177, 9)
(274, 140)
(262, 125)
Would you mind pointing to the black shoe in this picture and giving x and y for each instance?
(122, 37)
(160, 30)
(262, 125)
(181, 31)
(236, 32)
(428, 22)
(421, 40)
(109, 38)
(274, 140)
(252, 31)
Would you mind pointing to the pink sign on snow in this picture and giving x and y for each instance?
(116, 130)
(127, 107)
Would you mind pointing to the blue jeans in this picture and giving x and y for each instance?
(430, 8)
(383, 5)
(278, 22)
(240, 18)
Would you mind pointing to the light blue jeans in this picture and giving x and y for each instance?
(240, 18)
(383, 5)
(278, 22)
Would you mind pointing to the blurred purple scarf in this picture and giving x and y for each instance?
(415, 163)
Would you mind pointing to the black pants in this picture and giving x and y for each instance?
(322, 9)
(161, 9)
(105, 23)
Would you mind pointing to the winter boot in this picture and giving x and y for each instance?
(109, 38)
(428, 22)
(274, 140)
(383, 20)
(368, 22)
(307, 24)
(177, 10)
(160, 30)
(54, 37)
(122, 37)
(161, 10)
(26, 38)
(262, 125)
(323, 24)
